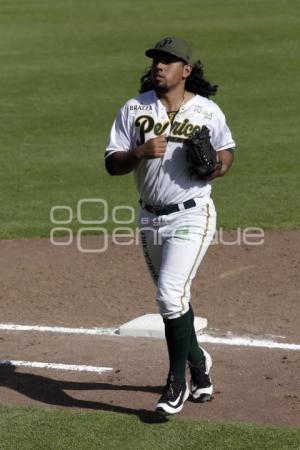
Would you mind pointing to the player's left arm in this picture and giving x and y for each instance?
(223, 142)
(226, 158)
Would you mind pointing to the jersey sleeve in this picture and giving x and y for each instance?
(119, 138)
(221, 138)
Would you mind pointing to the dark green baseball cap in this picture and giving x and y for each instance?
(171, 46)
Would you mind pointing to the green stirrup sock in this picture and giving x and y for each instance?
(178, 337)
(195, 353)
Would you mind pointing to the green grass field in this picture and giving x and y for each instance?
(36, 429)
(67, 68)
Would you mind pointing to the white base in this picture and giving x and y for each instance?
(152, 325)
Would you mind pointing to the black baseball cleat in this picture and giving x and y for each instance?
(201, 386)
(173, 397)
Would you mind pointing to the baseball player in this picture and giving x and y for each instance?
(177, 216)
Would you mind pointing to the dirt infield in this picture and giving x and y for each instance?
(242, 289)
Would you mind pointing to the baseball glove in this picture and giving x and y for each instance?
(200, 153)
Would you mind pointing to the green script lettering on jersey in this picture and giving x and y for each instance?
(146, 124)
(159, 128)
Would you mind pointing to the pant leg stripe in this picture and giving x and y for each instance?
(198, 254)
(147, 257)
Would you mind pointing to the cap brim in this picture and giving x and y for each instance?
(152, 52)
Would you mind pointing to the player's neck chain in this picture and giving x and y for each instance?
(182, 101)
(178, 107)
(173, 114)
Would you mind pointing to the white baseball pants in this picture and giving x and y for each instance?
(174, 246)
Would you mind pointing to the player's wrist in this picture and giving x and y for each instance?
(219, 166)
(138, 152)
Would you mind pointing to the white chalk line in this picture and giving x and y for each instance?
(246, 342)
(55, 366)
(91, 331)
(232, 340)
(233, 272)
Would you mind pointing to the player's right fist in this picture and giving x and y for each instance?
(154, 148)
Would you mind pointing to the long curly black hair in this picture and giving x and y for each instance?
(195, 83)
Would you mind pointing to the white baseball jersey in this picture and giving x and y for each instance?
(167, 180)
